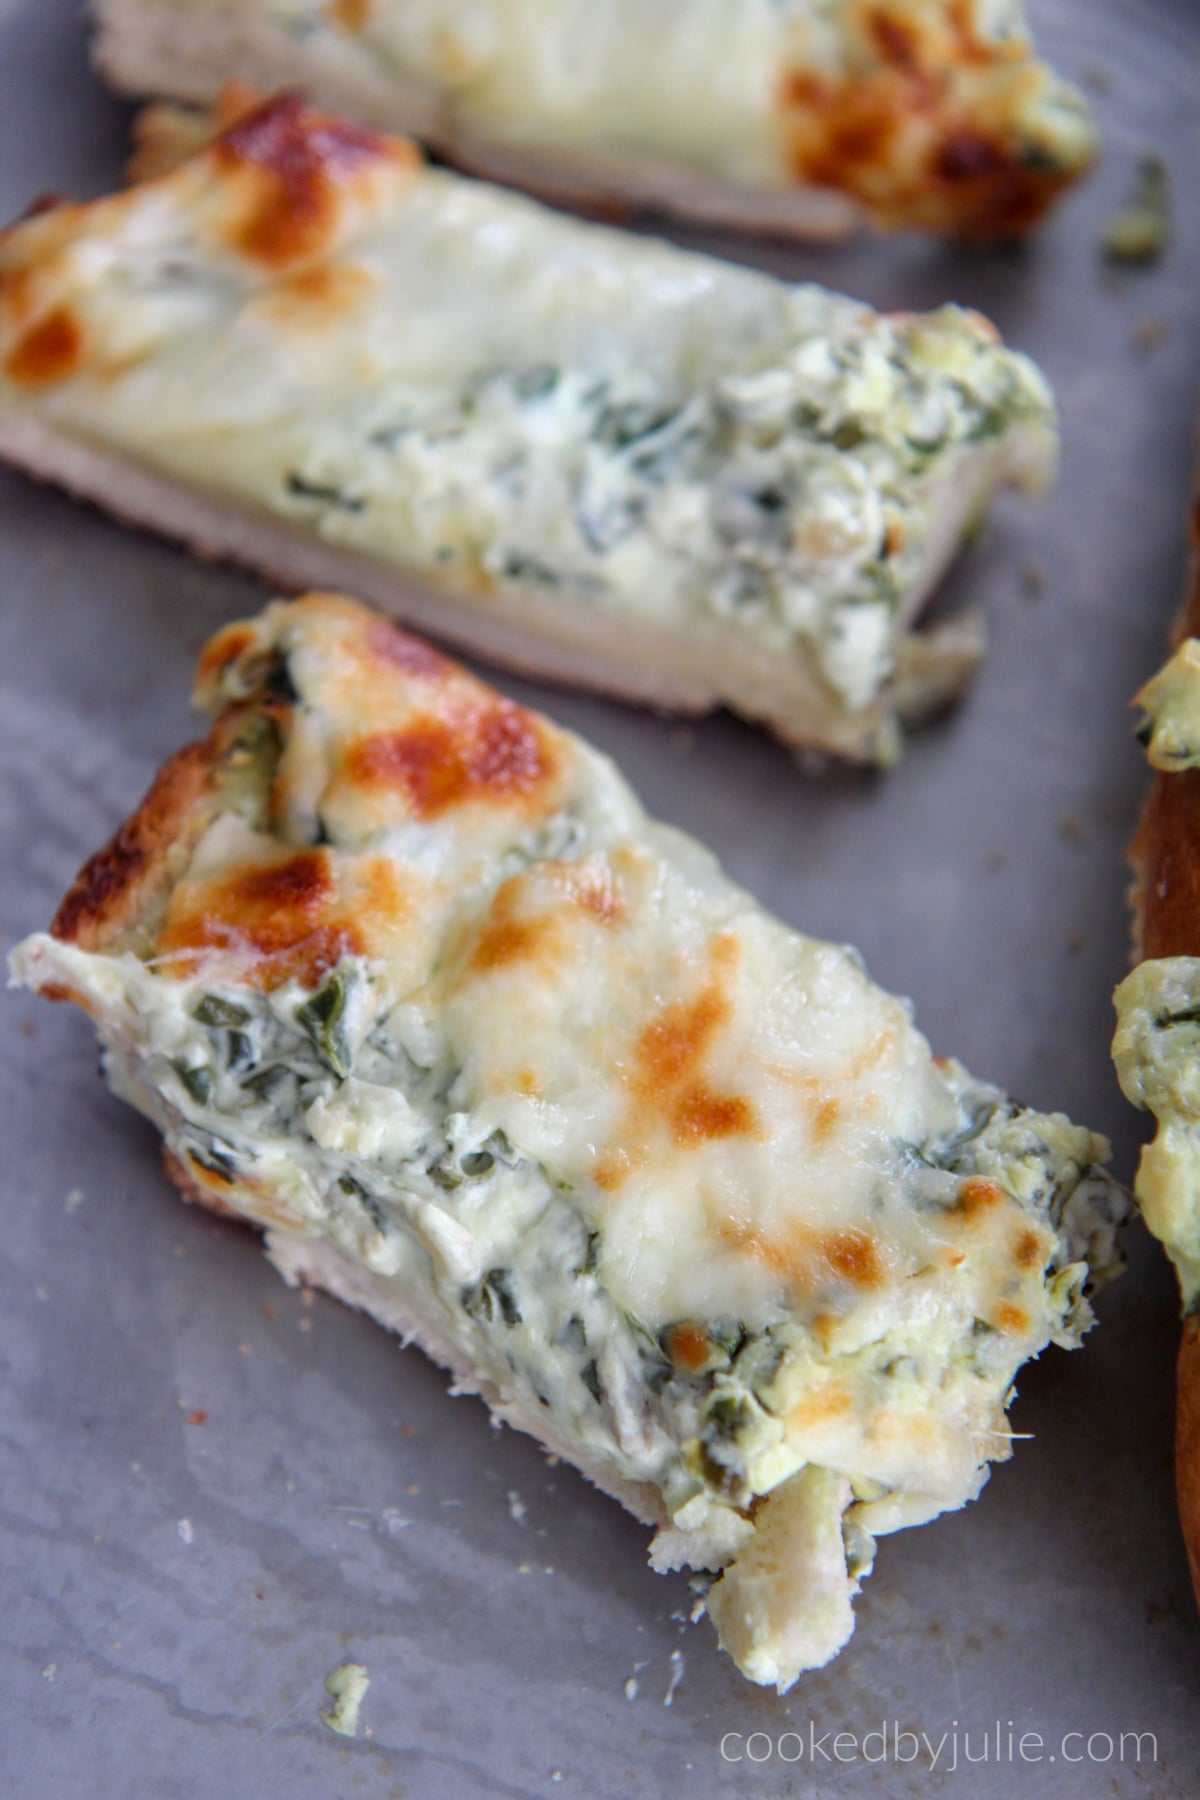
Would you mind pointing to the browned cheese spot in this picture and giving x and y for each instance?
(48, 351)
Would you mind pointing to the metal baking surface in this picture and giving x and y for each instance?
(212, 1493)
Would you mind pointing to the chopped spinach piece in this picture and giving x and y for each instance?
(214, 1011)
(591, 1255)
(197, 1081)
(1190, 1016)
(367, 1200)
(573, 1336)
(849, 435)
(495, 1295)
(534, 382)
(629, 422)
(218, 1163)
(266, 1083)
(324, 1019)
(326, 492)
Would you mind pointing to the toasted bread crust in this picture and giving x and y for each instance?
(1165, 898)
(119, 889)
(1187, 1444)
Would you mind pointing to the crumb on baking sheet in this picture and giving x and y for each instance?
(74, 1200)
(183, 1528)
(346, 1686)
(1140, 230)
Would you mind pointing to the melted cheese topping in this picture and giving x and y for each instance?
(554, 423)
(1171, 703)
(928, 112)
(433, 989)
(1157, 1043)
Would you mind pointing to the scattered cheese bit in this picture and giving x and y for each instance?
(1140, 231)
(631, 1688)
(676, 1660)
(75, 1200)
(516, 1506)
(50, 1671)
(184, 1528)
(346, 1687)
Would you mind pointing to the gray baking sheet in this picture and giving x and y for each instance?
(212, 1493)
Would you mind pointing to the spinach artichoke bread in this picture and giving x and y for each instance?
(797, 117)
(405, 977)
(1157, 1043)
(585, 455)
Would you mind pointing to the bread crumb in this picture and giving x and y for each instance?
(346, 1686)
(1095, 76)
(1140, 230)
(1149, 335)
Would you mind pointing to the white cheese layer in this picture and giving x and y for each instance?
(666, 1173)
(710, 85)
(585, 434)
(1157, 1053)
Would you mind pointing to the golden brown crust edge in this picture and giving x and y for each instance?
(119, 888)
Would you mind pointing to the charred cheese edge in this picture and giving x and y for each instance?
(405, 976)
(790, 115)
(604, 460)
